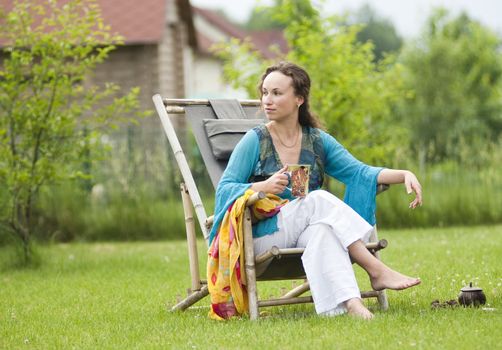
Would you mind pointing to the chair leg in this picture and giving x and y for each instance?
(193, 257)
(297, 291)
(197, 290)
(250, 267)
(191, 299)
(383, 301)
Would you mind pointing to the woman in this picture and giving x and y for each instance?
(331, 231)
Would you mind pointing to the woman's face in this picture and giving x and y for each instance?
(278, 97)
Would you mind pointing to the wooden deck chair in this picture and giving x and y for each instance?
(225, 121)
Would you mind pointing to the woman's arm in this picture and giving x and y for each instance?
(234, 181)
(344, 167)
(360, 179)
(394, 176)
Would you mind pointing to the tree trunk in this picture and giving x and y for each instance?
(21, 228)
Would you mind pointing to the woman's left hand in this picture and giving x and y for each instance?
(412, 185)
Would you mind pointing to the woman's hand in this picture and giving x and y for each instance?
(412, 185)
(394, 176)
(275, 184)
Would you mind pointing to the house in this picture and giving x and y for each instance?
(159, 41)
(212, 28)
(157, 55)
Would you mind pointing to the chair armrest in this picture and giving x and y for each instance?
(209, 222)
(255, 197)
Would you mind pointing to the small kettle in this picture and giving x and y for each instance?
(471, 296)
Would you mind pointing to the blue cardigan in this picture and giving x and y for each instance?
(360, 180)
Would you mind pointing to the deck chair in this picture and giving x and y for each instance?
(217, 126)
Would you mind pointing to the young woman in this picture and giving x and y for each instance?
(331, 231)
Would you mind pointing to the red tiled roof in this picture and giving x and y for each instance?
(220, 22)
(138, 22)
(204, 43)
(262, 40)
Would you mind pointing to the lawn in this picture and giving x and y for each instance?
(117, 295)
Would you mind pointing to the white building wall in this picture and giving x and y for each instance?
(207, 78)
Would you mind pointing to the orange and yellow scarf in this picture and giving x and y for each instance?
(226, 277)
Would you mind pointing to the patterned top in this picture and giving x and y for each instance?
(255, 158)
(311, 153)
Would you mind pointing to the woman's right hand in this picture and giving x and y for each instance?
(275, 184)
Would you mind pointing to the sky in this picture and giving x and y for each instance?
(408, 16)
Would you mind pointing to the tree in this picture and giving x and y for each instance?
(455, 70)
(352, 94)
(50, 114)
(262, 18)
(379, 31)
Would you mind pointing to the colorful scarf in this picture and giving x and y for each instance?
(226, 276)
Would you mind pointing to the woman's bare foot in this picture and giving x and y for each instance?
(388, 278)
(356, 308)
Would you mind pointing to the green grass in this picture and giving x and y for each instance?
(116, 295)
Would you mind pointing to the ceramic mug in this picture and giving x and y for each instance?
(299, 175)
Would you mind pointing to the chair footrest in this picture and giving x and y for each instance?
(279, 252)
(275, 302)
(305, 299)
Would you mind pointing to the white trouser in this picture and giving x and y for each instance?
(325, 226)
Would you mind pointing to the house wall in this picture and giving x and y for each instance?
(156, 67)
(208, 80)
(171, 55)
(131, 66)
(141, 150)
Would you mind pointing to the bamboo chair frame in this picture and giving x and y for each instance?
(192, 201)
